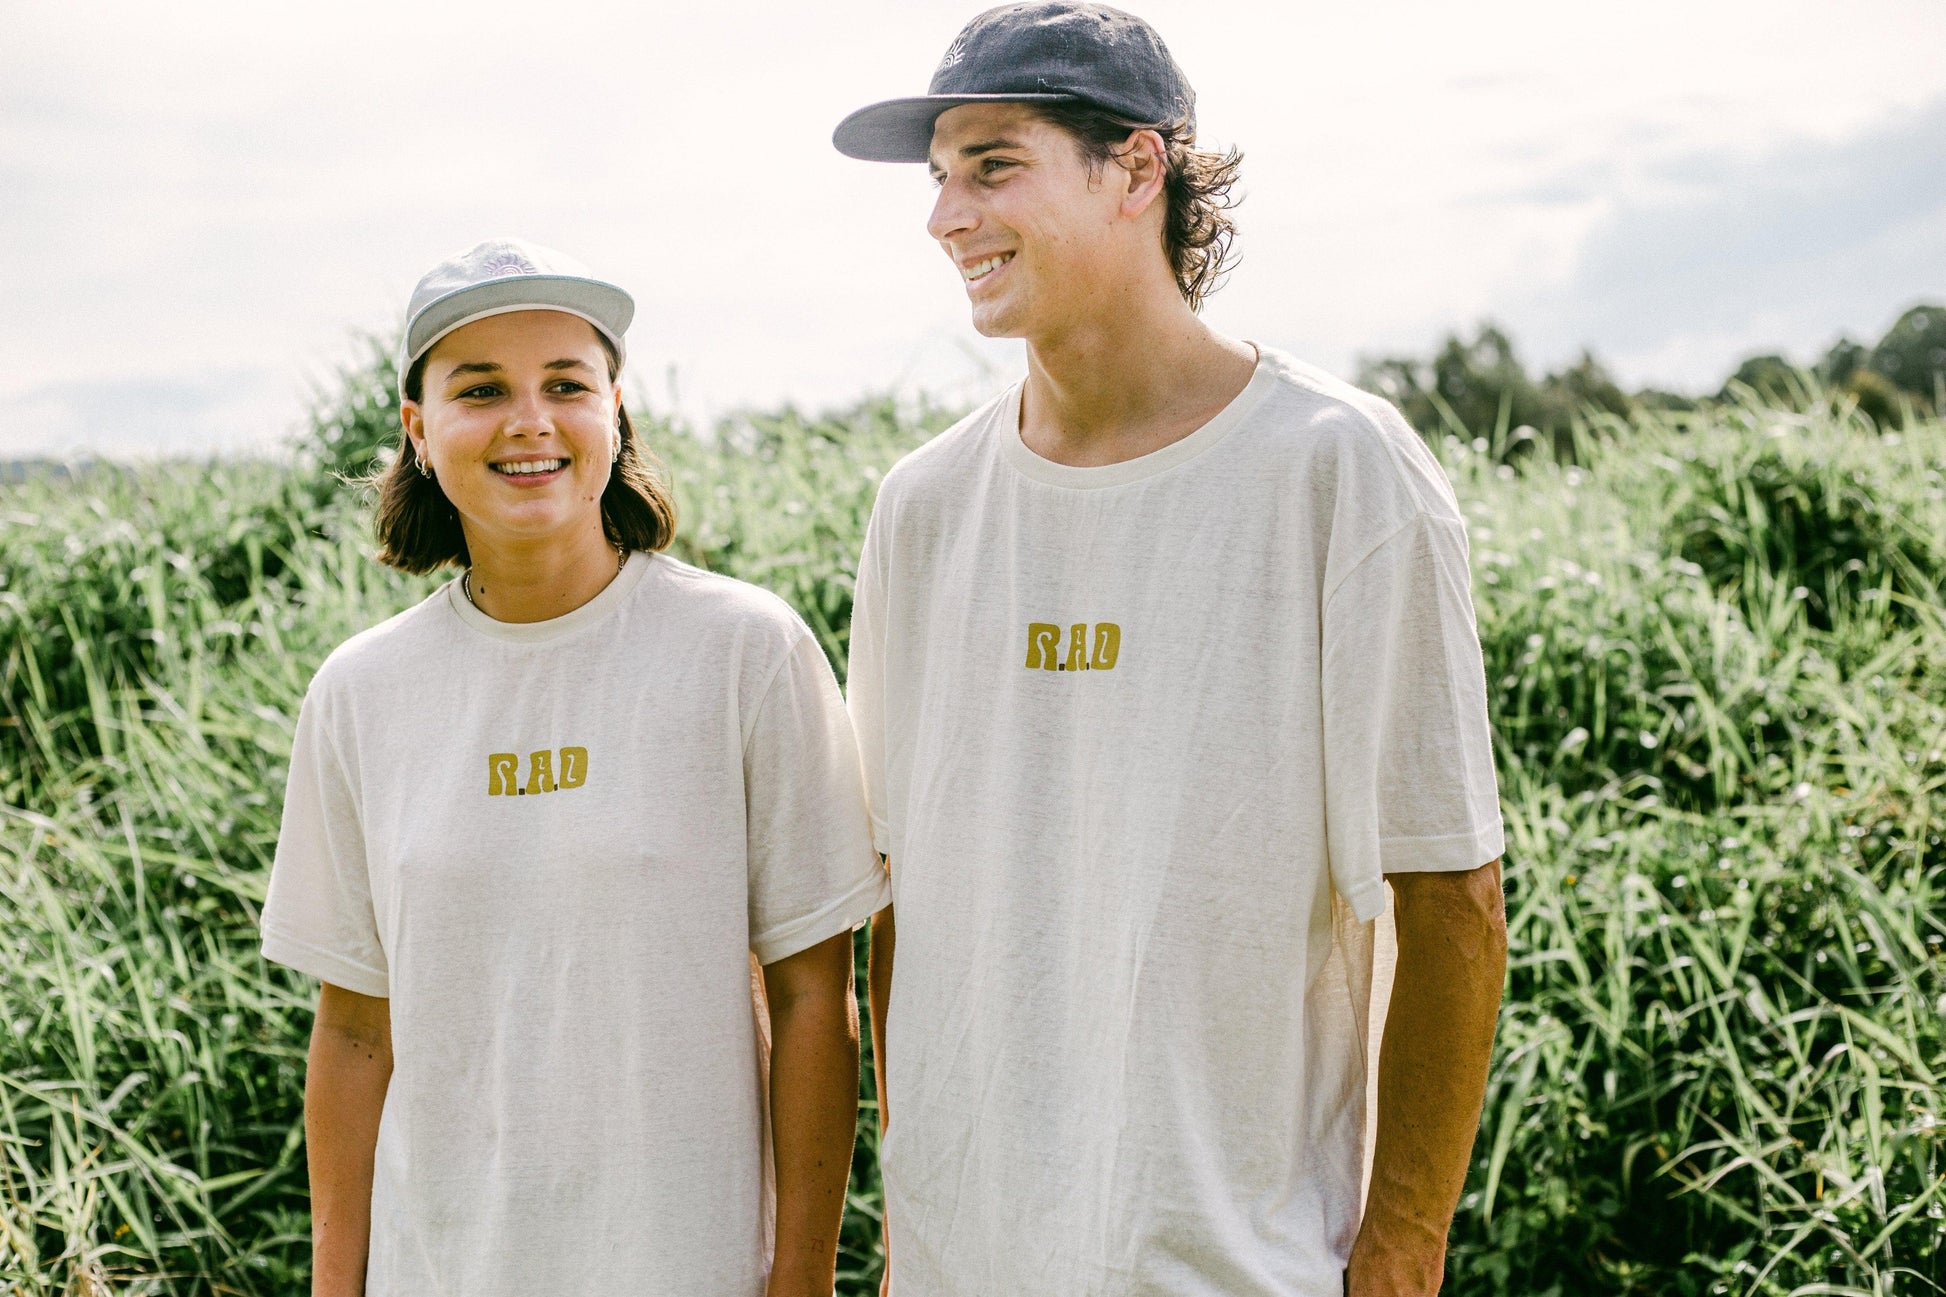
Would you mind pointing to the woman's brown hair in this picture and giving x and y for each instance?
(1197, 231)
(418, 527)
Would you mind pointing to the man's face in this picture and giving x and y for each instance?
(1035, 237)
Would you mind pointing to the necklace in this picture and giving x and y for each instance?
(466, 577)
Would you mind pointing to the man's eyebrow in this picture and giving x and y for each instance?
(568, 364)
(976, 149)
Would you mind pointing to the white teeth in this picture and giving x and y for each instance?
(982, 269)
(530, 466)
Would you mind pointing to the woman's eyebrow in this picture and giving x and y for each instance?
(489, 367)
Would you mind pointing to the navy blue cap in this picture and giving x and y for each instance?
(1050, 51)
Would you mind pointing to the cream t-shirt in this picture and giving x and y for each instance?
(1141, 742)
(555, 846)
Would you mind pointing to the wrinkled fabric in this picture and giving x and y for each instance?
(556, 847)
(1141, 742)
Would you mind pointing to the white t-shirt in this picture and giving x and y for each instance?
(555, 846)
(1124, 729)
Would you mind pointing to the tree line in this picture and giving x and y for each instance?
(1480, 388)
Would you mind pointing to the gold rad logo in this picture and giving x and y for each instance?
(544, 773)
(1044, 647)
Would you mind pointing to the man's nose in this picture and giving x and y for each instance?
(952, 214)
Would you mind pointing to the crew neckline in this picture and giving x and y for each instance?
(1033, 465)
(596, 609)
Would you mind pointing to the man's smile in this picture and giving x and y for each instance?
(979, 270)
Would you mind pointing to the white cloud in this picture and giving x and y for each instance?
(1716, 254)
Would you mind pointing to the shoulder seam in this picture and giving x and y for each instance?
(799, 633)
(1419, 516)
(328, 724)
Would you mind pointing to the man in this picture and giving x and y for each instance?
(1163, 664)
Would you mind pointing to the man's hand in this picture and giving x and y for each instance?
(1432, 1075)
(813, 1110)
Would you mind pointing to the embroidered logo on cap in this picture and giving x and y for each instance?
(508, 264)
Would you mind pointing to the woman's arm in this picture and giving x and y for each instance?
(344, 1093)
(813, 1110)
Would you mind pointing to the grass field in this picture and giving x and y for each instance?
(1717, 670)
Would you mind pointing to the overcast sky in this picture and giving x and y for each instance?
(202, 204)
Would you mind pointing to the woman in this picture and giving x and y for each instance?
(536, 828)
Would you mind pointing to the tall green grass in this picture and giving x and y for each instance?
(1717, 670)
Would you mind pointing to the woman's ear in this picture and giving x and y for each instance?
(413, 420)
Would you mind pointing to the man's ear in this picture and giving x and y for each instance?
(1143, 158)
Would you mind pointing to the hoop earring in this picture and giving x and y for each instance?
(423, 470)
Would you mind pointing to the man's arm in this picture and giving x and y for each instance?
(878, 979)
(1432, 1074)
(345, 1079)
(813, 1110)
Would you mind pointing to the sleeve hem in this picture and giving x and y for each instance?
(1452, 853)
(871, 895)
(1367, 899)
(325, 965)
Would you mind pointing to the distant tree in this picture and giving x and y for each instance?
(1876, 398)
(1912, 354)
(1654, 398)
(1584, 385)
(1845, 358)
(1468, 389)
(1770, 377)
(1484, 386)
(356, 420)
(1479, 388)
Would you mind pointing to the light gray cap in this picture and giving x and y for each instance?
(503, 275)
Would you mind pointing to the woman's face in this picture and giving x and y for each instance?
(518, 421)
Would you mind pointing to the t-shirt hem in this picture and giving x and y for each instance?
(866, 899)
(325, 965)
(1451, 853)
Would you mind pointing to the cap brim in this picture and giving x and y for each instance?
(900, 130)
(605, 306)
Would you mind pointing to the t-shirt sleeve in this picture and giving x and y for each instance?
(865, 681)
(813, 873)
(318, 915)
(1409, 782)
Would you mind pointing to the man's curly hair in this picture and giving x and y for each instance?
(1198, 231)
